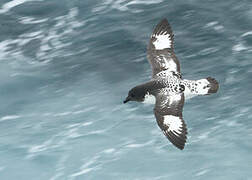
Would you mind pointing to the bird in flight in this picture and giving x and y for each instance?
(167, 87)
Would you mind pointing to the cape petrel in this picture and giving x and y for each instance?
(167, 86)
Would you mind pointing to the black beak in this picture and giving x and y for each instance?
(126, 100)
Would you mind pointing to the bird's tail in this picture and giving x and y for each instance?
(214, 85)
(204, 86)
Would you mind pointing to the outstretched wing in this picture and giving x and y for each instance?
(168, 113)
(160, 49)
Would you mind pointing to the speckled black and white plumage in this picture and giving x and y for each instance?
(168, 87)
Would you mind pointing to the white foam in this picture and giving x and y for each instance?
(30, 20)
(246, 34)
(138, 145)
(144, 2)
(83, 171)
(9, 5)
(210, 24)
(4, 118)
(63, 113)
(108, 151)
(87, 123)
(215, 25)
(239, 47)
(85, 168)
(41, 147)
(200, 173)
(124, 5)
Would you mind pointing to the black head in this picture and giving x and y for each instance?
(136, 94)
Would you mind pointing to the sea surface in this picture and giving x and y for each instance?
(67, 65)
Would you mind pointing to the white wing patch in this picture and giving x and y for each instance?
(170, 65)
(163, 41)
(174, 123)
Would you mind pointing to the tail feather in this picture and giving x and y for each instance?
(200, 87)
(214, 85)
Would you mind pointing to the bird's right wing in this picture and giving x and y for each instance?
(168, 113)
(160, 52)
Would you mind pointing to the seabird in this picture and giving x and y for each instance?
(167, 86)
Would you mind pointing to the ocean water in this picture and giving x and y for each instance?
(67, 65)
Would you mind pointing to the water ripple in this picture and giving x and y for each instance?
(9, 5)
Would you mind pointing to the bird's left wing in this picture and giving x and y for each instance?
(160, 52)
(168, 113)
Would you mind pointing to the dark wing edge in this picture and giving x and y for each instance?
(160, 52)
(164, 31)
(169, 119)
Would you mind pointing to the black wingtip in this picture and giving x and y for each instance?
(164, 20)
(178, 142)
(181, 147)
(163, 27)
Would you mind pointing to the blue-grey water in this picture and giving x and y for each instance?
(67, 65)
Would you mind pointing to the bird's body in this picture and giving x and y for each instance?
(167, 88)
(173, 83)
